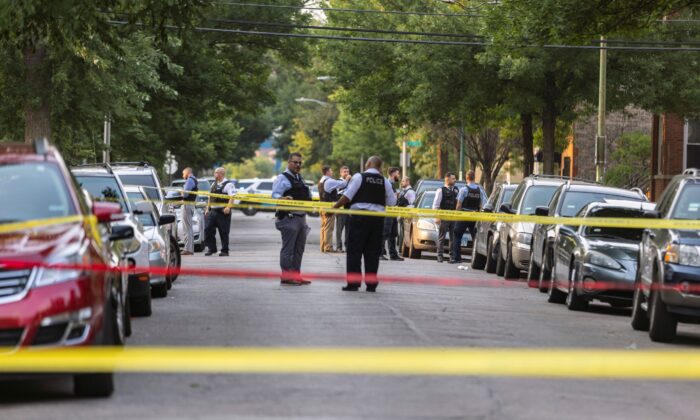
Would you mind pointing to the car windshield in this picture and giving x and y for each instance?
(613, 232)
(535, 196)
(146, 219)
(574, 201)
(244, 184)
(103, 188)
(688, 206)
(265, 186)
(35, 191)
(427, 200)
(134, 197)
(143, 180)
(507, 196)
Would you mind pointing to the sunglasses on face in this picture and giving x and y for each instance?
(295, 162)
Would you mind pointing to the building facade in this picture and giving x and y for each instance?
(675, 147)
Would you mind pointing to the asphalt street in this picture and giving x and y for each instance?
(208, 311)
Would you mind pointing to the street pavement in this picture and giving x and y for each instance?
(209, 311)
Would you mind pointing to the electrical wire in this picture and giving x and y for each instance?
(416, 41)
(345, 29)
(333, 9)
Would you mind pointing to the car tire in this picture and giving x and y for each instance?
(574, 301)
(160, 291)
(545, 276)
(413, 253)
(101, 385)
(640, 318)
(142, 306)
(533, 272)
(174, 263)
(510, 272)
(249, 211)
(404, 249)
(500, 263)
(478, 260)
(491, 255)
(662, 324)
(555, 295)
(127, 317)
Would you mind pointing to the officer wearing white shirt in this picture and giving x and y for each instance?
(372, 192)
(327, 219)
(218, 213)
(446, 199)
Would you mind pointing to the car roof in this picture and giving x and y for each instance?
(620, 204)
(588, 187)
(92, 171)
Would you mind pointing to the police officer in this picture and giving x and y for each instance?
(189, 198)
(327, 219)
(368, 191)
(446, 199)
(289, 185)
(332, 190)
(470, 198)
(407, 195)
(218, 213)
(391, 231)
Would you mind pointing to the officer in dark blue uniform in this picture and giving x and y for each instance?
(368, 191)
(290, 185)
(218, 213)
(470, 198)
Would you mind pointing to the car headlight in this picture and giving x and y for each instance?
(602, 260)
(683, 254)
(74, 258)
(154, 245)
(523, 238)
(425, 224)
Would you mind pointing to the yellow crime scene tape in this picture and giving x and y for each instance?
(456, 215)
(90, 221)
(542, 363)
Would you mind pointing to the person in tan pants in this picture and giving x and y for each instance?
(327, 219)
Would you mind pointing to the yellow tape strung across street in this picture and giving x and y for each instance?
(15, 226)
(636, 223)
(544, 363)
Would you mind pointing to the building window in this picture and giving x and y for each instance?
(692, 145)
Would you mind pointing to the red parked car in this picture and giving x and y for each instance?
(42, 306)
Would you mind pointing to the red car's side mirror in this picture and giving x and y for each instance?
(107, 212)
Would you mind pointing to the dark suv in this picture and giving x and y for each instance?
(42, 303)
(567, 201)
(668, 279)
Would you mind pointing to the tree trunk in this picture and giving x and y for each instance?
(37, 114)
(549, 123)
(548, 133)
(442, 160)
(528, 141)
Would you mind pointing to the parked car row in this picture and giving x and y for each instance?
(654, 271)
(66, 280)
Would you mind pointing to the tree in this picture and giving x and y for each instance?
(632, 154)
(38, 30)
(357, 136)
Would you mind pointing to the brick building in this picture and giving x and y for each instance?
(675, 147)
(578, 159)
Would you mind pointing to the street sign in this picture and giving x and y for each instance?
(414, 143)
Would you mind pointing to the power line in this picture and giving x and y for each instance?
(415, 41)
(336, 28)
(332, 9)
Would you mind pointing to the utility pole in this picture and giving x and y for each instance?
(404, 159)
(461, 153)
(600, 138)
(107, 139)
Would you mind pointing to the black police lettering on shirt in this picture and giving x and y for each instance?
(371, 180)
